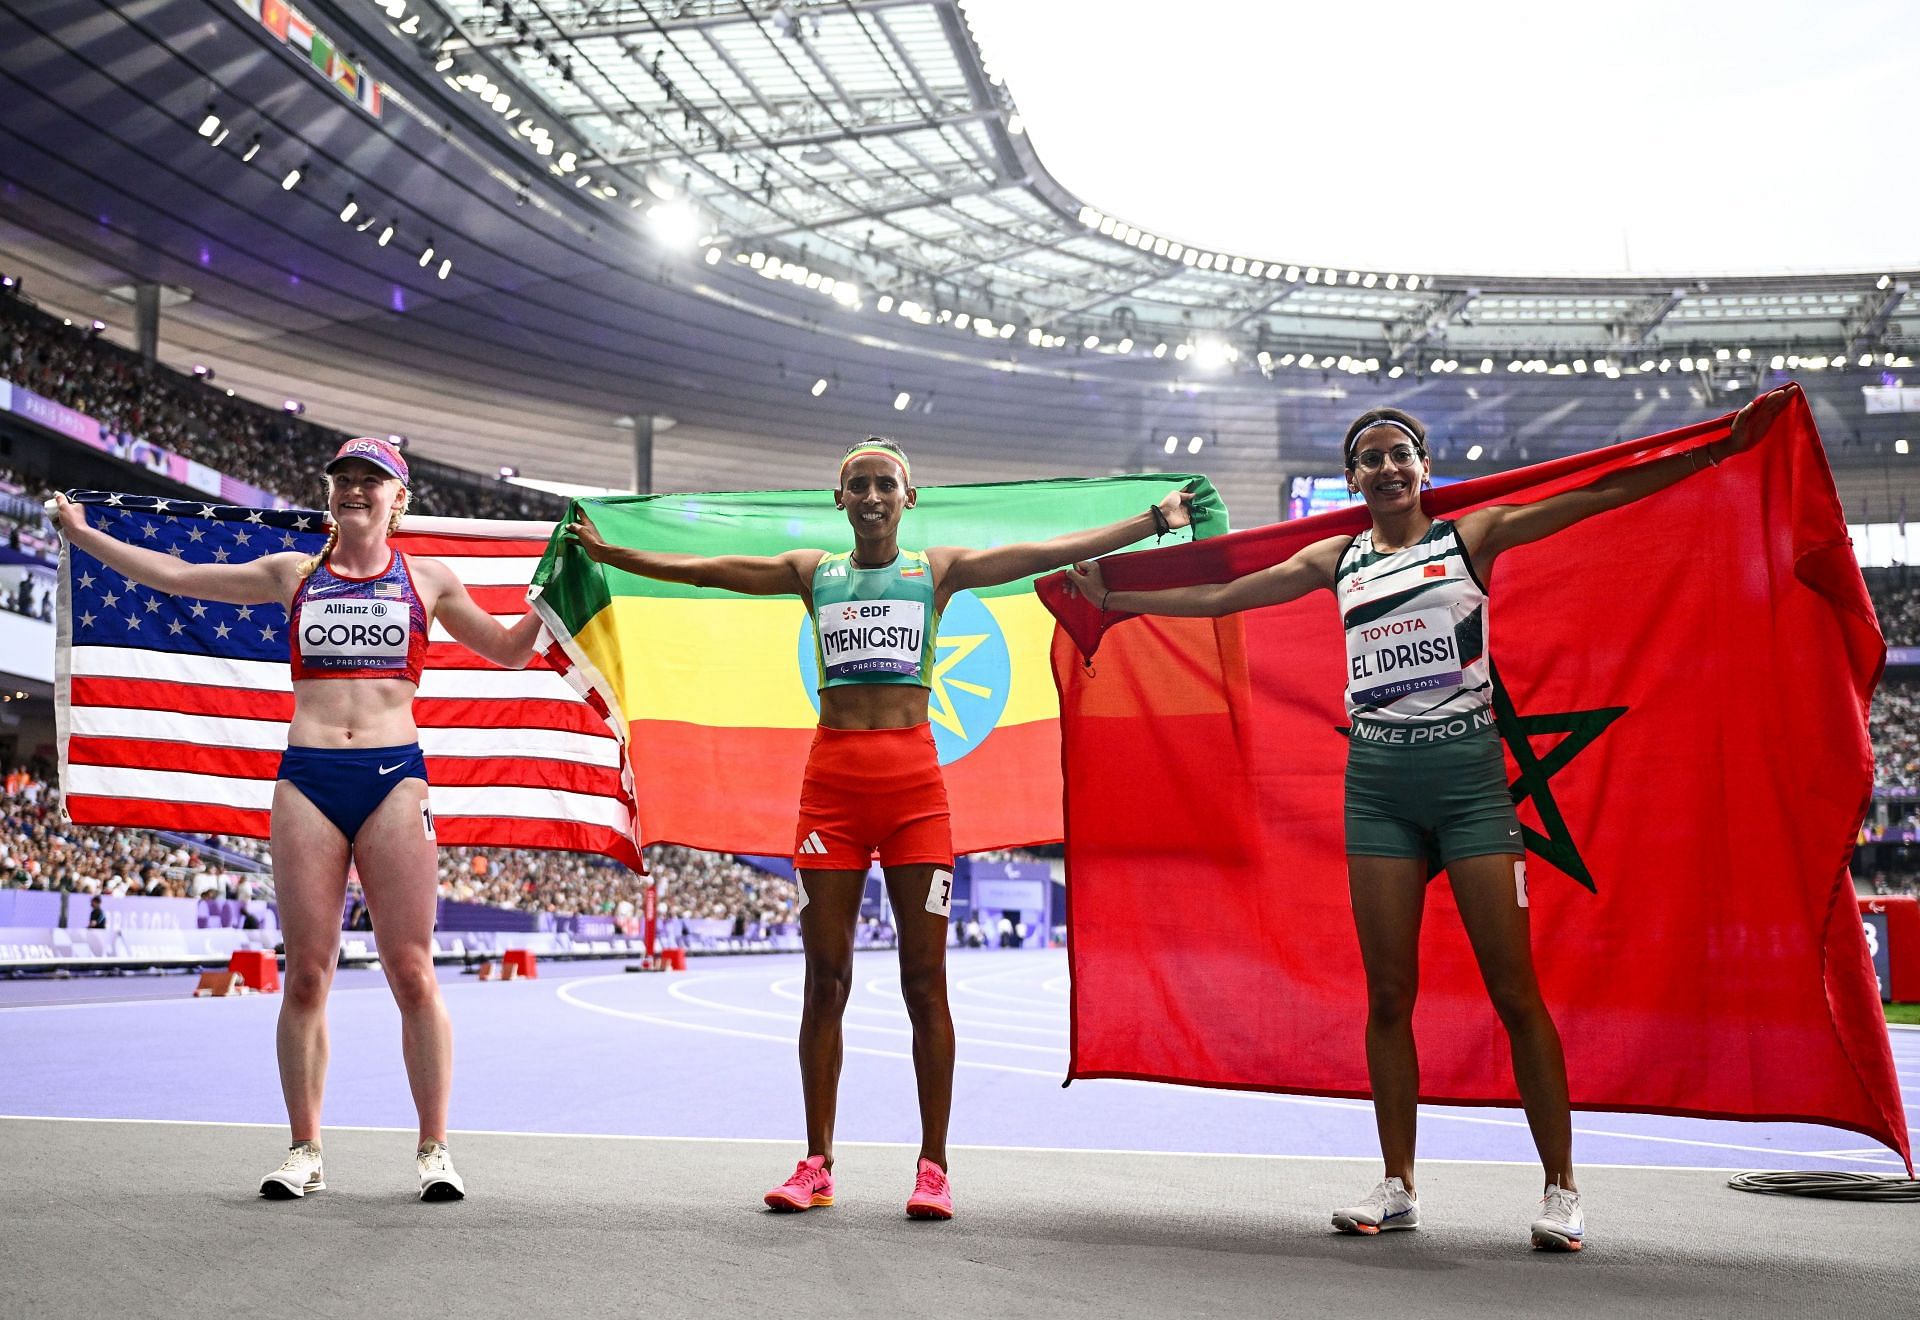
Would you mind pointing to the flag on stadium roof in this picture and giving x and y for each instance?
(717, 691)
(1682, 688)
(173, 712)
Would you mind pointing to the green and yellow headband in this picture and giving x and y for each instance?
(861, 451)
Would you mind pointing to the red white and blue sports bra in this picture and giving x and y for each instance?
(348, 627)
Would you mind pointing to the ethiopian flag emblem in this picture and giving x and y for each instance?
(715, 693)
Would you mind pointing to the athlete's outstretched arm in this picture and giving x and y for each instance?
(1307, 569)
(509, 646)
(786, 574)
(268, 580)
(1486, 532)
(957, 569)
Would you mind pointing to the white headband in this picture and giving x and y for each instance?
(1408, 431)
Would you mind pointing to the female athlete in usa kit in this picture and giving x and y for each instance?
(352, 786)
(873, 779)
(1426, 779)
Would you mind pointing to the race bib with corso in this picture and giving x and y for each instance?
(354, 634)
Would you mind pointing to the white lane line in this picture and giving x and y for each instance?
(882, 988)
(784, 990)
(1304, 1101)
(1059, 985)
(679, 992)
(1271, 1157)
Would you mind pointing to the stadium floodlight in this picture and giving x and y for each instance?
(386, 236)
(1124, 346)
(819, 387)
(1193, 445)
(1159, 350)
(446, 268)
(348, 211)
(292, 180)
(219, 137)
(508, 472)
(1293, 274)
(367, 224)
(1686, 364)
(1034, 336)
(674, 224)
(1091, 341)
(901, 400)
(1486, 365)
(1723, 354)
(444, 63)
(1211, 354)
(1745, 355)
(211, 124)
(1778, 362)
(427, 256)
(412, 26)
(1396, 372)
(1173, 443)
(1313, 274)
(1900, 446)
(1580, 366)
(713, 256)
(1473, 454)
(1880, 283)
(253, 149)
(1393, 281)
(293, 406)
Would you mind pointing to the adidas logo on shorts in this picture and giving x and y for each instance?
(812, 845)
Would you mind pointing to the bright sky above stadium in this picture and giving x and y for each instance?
(1509, 137)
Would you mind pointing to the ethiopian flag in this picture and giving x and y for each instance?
(716, 692)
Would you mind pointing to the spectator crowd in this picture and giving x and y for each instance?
(273, 450)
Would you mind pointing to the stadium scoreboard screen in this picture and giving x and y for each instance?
(1307, 496)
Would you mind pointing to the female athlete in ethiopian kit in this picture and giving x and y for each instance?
(873, 779)
(352, 786)
(1426, 780)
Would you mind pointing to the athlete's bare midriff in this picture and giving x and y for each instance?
(356, 712)
(875, 706)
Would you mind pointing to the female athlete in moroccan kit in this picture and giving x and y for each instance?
(873, 777)
(352, 785)
(1426, 779)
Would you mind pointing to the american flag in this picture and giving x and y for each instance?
(172, 712)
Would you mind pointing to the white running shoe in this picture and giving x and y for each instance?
(1561, 1226)
(299, 1174)
(438, 1181)
(1387, 1208)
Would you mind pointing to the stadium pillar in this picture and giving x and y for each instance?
(642, 452)
(146, 319)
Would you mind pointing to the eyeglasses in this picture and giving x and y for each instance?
(1373, 459)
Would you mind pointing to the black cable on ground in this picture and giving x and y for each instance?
(1831, 1184)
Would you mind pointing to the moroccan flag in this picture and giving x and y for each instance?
(717, 691)
(1682, 686)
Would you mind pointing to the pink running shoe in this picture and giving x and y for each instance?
(932, 1198)
(810, 1186)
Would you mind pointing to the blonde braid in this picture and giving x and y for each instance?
(399, 510)
(333, 535)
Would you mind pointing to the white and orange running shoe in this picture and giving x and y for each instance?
(1387, 1209)
(1561, 1225)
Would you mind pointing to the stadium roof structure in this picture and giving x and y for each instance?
(866, 141)
(515, 231)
